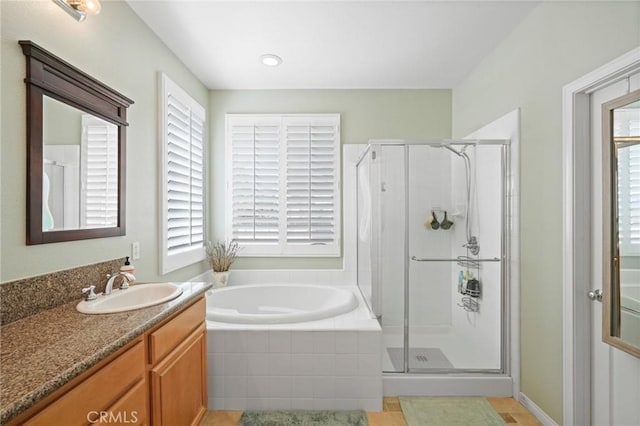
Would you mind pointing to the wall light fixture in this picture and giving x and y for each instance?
(79, 9)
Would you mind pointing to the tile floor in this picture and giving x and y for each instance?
(511, 411)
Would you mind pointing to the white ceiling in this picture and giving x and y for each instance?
(331, 44)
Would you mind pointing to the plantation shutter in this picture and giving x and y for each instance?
(255, 150)
(185, 207)
(627, 128)
(311, 181)
(629, 199)
(183, 141)
(99, 201)
(283, 184)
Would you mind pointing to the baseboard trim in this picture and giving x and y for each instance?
(536, 411)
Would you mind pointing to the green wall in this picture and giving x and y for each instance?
(364, 115)
(556, 44)
(117, 48)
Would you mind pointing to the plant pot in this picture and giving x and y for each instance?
(220, 278)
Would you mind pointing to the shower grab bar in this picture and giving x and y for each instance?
(426, 259)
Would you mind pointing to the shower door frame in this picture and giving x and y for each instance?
(505, 314)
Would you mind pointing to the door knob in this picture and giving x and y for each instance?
(595, 295)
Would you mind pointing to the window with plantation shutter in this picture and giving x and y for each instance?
(283, 185)
(626, 132)
(183, 140)
(99, 188)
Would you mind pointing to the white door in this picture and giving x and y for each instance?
(615, 375)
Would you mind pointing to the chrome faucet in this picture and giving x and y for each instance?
(126, 278)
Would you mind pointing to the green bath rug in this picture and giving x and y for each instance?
(449, 411)
(303, 418)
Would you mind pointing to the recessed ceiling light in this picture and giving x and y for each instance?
(271, 60)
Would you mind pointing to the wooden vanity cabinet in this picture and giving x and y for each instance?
(178, 374)
(157, 379)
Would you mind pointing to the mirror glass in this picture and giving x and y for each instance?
(80, 169)
(626, 141)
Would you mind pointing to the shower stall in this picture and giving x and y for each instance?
(432, 251)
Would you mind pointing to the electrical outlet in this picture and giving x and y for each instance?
(135, 251)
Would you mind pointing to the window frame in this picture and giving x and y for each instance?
(283, 249)
(196, 253)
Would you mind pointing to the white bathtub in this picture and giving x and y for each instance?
(292, 347)
(278, 303)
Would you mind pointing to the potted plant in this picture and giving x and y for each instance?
(221, 256)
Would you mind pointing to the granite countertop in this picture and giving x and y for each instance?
(44, 351)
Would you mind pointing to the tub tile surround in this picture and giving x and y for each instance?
(294, 370)
(28, 296)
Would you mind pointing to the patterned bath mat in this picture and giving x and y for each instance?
(450, 411)
(303, 418)
(419, 358)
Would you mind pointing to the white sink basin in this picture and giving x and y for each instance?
(135, 297)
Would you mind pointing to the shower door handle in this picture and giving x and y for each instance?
(595, 295)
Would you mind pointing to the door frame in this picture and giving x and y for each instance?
(576, 233)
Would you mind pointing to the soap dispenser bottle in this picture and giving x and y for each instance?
(128, 268)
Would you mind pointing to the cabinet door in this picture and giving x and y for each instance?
(178, 384)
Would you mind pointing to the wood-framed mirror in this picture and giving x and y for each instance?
(76, 139)
(621, 222)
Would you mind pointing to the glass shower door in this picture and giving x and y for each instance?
(381, 245)
(455, 307)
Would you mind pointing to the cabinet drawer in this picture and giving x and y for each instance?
(167, 337)
(97, 392)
